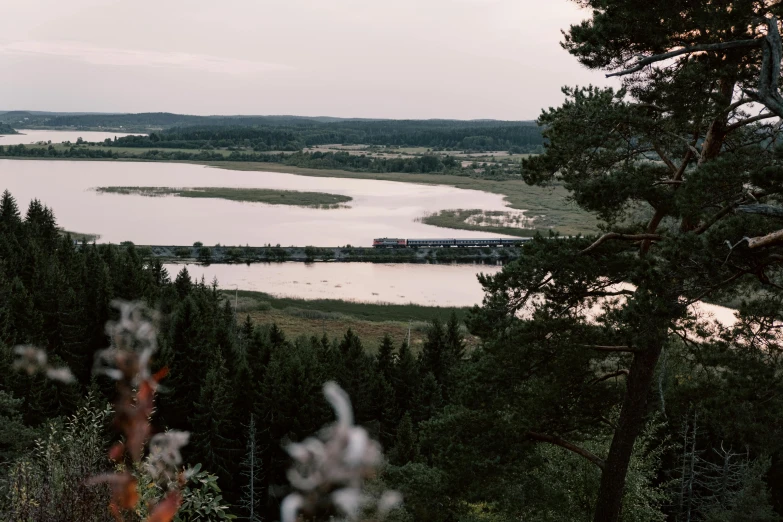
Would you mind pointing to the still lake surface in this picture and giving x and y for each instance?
(378, 209)
(429, 285)
(29, 136)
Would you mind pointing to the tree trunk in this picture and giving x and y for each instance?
(630, 424)
(713, 141)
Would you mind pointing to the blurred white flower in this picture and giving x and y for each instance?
(33, 360)
(329, 472)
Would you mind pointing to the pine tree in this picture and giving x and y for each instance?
(434, 357)
(405, 378)
(10, 219)
(182, 283)
(251, 470)
(405, 448)
(455, 341)
(276, 337)
(428, 398)
(385, 358)
(212, 430)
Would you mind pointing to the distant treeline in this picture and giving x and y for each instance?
(264, 133)
(479, 136)
(6, 129)
(426, 164)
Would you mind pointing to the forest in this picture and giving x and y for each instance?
(597, 389)
(241, 388)
(424, 164)
(289, 133)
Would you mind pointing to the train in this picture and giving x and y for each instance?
(393, 242)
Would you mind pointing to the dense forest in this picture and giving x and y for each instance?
(289, 133)
(437, 134)
(711, 448)
(6, 129)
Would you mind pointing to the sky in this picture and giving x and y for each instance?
(462, 59)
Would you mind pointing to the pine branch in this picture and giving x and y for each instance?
(557, 441)
(748, 121)
(769, 239)
(765, 210)
(611, 375)
(724, 46)
(623, 237)
(601, 348)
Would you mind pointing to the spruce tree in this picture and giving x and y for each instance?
(385, 358)
(405, 448)
(251, 470)
(405, 378)
(213, 434)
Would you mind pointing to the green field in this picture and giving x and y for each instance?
(332, 317)
(251, 195)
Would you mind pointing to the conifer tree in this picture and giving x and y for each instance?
(182, 283)
(252, 472)
(405, 378)
(213, 434)
(385, 358)
(434, 357)
(405, 448)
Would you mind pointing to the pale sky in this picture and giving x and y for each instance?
(461, 59)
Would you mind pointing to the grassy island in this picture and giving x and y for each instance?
(251, 195)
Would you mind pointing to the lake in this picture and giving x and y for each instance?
(28, 136)
(430, 285)
(378, 209)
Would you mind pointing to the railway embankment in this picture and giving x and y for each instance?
(220, 254)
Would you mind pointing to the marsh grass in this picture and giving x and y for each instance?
(486, 221)
(370, 322)
(252, 195)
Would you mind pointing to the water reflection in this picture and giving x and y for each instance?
(379, 208)
(29, 136)
(430, 285)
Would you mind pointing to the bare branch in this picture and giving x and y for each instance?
(769, 239)
(748, 121)
(602, 348)
(724, 46)
(608, 376)
(668, 182)
(661, 154)
(623, 237)
(557, 441)
(765, 210)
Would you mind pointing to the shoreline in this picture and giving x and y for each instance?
(239, 255)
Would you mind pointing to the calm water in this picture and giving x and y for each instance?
(431, 285)
(28, 136)
(379, 208)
